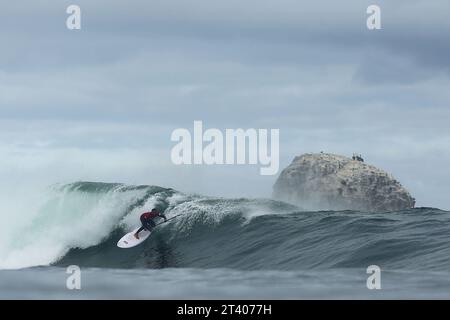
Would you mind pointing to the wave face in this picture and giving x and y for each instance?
(80, 223)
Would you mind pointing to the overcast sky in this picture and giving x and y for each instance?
(100, 103)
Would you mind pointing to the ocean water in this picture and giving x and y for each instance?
(220, 248)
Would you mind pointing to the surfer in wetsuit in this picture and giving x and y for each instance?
(147, 221)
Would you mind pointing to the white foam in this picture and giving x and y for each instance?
(40, 229)
(67, 219)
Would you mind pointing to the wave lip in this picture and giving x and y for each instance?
(77, 215)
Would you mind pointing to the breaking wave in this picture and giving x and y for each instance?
(80, 223)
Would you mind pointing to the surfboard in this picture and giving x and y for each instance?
(129, 240)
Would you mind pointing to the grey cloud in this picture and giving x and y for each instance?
(138, 70)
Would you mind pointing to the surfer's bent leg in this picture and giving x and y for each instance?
(140, 229)
(136, 235)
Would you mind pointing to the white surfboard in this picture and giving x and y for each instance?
(130, 241)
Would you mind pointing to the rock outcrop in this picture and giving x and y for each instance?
(331, 182)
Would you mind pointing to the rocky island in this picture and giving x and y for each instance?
(323, 181)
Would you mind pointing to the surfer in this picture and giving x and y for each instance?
(147, 221)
